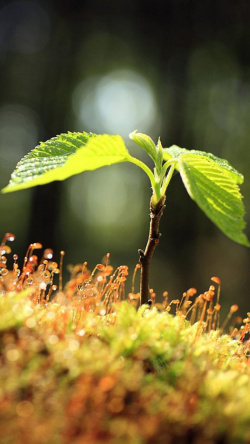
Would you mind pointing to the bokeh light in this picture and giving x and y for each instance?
(118, 102)
(109, 204)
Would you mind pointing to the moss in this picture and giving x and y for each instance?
(137, 377)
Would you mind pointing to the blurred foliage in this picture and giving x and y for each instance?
(175, 68)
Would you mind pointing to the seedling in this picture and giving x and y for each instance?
(210, 181)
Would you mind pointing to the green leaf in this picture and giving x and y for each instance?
(65, 156)
(214, 189)
(175, 151)
(146, 143)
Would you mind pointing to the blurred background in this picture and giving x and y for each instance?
(175, 68)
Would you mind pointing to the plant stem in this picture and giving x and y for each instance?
(144, 167)
(167, 179)
(156, 212)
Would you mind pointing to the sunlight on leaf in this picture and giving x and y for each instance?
(145, 142)
(214, 189)
(65, 156)
(175, 151)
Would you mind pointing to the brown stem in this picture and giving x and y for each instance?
(153, 240)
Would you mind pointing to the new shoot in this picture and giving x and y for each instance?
(210, 181)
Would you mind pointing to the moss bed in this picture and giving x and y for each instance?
(129, 377)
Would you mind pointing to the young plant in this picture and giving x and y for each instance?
(210, 181)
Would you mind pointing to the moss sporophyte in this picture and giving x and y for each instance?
(101, 290)
(210, 181)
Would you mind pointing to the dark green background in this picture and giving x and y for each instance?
(191, 59)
